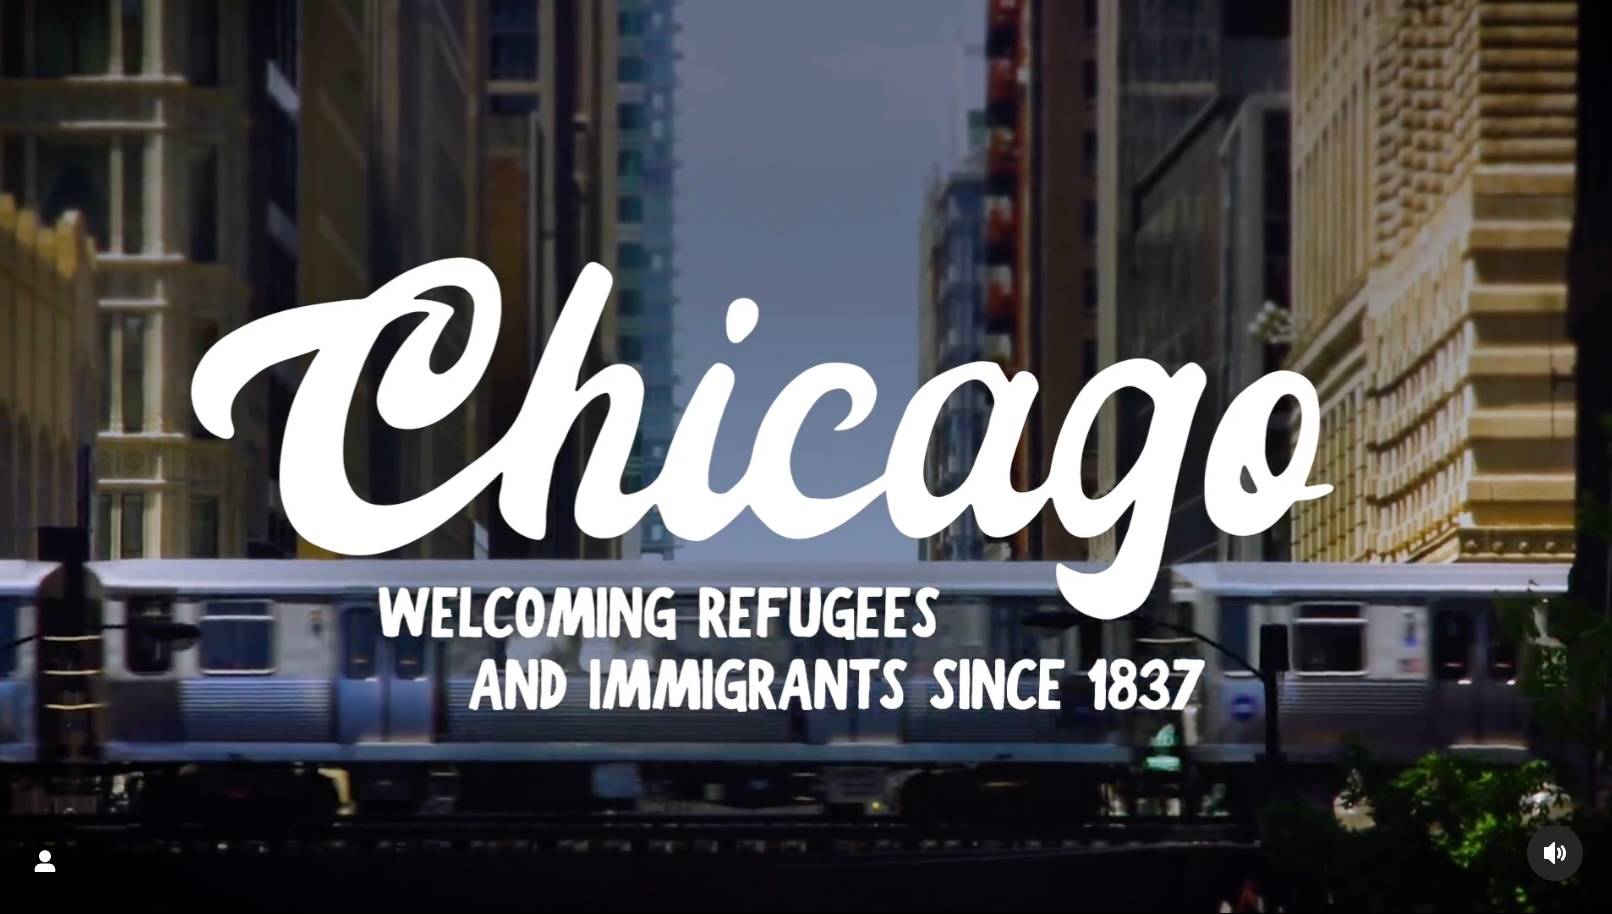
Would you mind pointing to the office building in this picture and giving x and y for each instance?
(1433, 166)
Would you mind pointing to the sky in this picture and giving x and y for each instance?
(805, 134)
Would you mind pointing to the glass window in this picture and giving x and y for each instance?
(13, 28)
(109, 345)
(631, 23)
(1329, 638)
(630, 349)
(630, 116)
(143, 653)
(204, 204)
(629, 162)
(13, 167)
(513, 15)
(1234, 633)
(1088, 219)
(1088, 79)
(630, 256)
(630, 301)
(237, 637)
(630, 209)
(1088, 152)
(76, 176)
(103, 527)
(523, 103)
(1502, 651)
(203, 334)
(408, 657)
(204, 527)
(134, 33)
(1452, 645)
(133, 377)
(132, 528)
(204, 42)
(1088, 290)
(1089, 631)
(134, 195)
(362, 637)
(8, 634)
(513, 56)
(71, 37)
(630, 69)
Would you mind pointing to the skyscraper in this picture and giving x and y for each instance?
(951, 323)
(1194, 150)
(1041, 227)
(646, 118)
(549, 208)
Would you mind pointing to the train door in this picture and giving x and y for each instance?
(1455, 695)
(384, 688)
(1474, 673)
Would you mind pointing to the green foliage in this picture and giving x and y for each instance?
(1567, 668)
(1446, 834)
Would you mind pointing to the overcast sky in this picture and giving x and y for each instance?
(805, 132)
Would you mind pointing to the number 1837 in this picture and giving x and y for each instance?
(1118, 684)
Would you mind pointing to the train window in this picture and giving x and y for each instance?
(1234, 633)
(237, 637)
(141, 652)
(8, 634)
(408, 657)
(1090, 633)
(362, 630)
(1452, 645)
(1502, 651)
(1329, 638)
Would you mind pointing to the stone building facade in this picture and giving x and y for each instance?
(131, 115)
(48, 373)
(1433, 159)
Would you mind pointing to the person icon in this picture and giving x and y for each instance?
(44, 865)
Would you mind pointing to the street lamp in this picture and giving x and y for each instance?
(1272, 657)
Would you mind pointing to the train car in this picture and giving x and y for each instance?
(20, 586)
(292, 677)
(1407, 659)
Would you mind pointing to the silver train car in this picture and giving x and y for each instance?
(20, 586)
(291, 668)
(1405, 658)
(291, 696)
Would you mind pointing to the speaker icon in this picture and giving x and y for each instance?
(1562, 850)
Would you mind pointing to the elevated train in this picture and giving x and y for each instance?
(292, 698)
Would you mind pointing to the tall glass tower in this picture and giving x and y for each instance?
(646, 81)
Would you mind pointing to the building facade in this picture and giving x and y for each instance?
(552, 168)
(133, 115)
(951, 323)
(1192, 162)
(646, 93)
(427, 127)
(1433, 157)
(310, 100)
(1041, 228)
(49, 377)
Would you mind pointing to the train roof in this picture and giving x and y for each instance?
(18, 578)
(1321, 579)
(322, 576)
